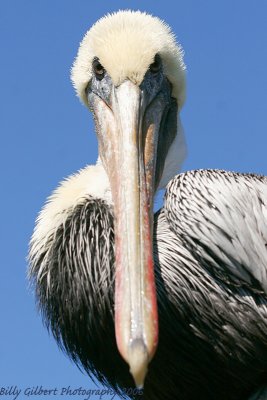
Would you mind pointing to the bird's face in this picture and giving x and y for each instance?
(125, 72)
(132, 118)
(130, 121)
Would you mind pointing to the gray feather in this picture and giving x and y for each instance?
(223, 216)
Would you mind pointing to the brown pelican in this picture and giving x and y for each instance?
(92, 251)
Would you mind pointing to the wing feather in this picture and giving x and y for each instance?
(222, 218)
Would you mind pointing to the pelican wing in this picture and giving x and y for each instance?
(222, 218)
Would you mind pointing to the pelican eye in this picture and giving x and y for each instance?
(156, 65)
(98, 69)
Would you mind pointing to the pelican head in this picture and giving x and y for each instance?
(129, 71)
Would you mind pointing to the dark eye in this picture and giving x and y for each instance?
(98, 69)
(156, 65)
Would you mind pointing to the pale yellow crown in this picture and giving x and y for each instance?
(126, 43)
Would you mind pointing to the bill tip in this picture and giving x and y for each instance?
(138, 361)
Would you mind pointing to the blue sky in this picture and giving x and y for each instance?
(46, 134)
